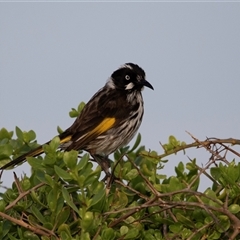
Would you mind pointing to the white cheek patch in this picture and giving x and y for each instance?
(129, 86)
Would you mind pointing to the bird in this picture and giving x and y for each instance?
(108, 121)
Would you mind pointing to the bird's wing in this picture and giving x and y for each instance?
(103, 112)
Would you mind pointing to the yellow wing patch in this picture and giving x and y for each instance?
(105, 125)
(102, 127)
(66, 139)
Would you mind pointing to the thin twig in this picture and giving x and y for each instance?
(22, 195)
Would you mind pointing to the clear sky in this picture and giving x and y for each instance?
(54, 55)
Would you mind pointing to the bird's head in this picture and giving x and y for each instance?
(129, 77)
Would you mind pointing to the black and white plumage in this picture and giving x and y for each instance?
(109, 120)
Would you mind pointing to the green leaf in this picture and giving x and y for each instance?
(180, 170)
(173, 141)
(19, 133)
(87, 221)
(31, 135)
(37, 200)
(73, 113)
(108, 234)
(137, 142)
(186, 221)
(12, 238)
(92, 176)
(224, 224)
(98, 197)
(38, 214)
(191, 165)
(132, 234)
(49, 180)
(63, 216)
(26, 137)
(214, 235)
(4, 134)
(176, 227)
(60, 201)
(34, 162)
(52, 199)
(26, 184)
(6, 226)
(151, 156)
(65, 232)
(2, 205)
(65, 235)
(131, 174)
(85, 236)
(59, 130)
(234, 208)
(83, 162)
(181, 167)
(175, 184)
(54, 144)
(81, 106)
(232, 174)
(62, 173)
(120, 200)
(5, 151)
(66, 196)
(123, 230)
(148, 235)
(210, 193)
(70, 159)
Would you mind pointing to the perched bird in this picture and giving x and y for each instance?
(108, 121)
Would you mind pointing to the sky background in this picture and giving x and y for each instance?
(55, 55)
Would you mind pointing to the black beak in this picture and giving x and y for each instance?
(147, 84)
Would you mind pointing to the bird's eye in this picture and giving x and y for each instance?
(127, 77)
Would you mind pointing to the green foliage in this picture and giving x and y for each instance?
(10, 147)
(172, 144)
(64, 198)
(75, 112)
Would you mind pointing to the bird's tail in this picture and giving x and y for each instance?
(35, 152)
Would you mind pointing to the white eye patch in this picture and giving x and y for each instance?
(127, 77)
(129, 86)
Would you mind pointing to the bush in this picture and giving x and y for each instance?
(64, 198)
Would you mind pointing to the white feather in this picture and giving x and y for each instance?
(126, 66)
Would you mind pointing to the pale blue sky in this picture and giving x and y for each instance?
(54, 55)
